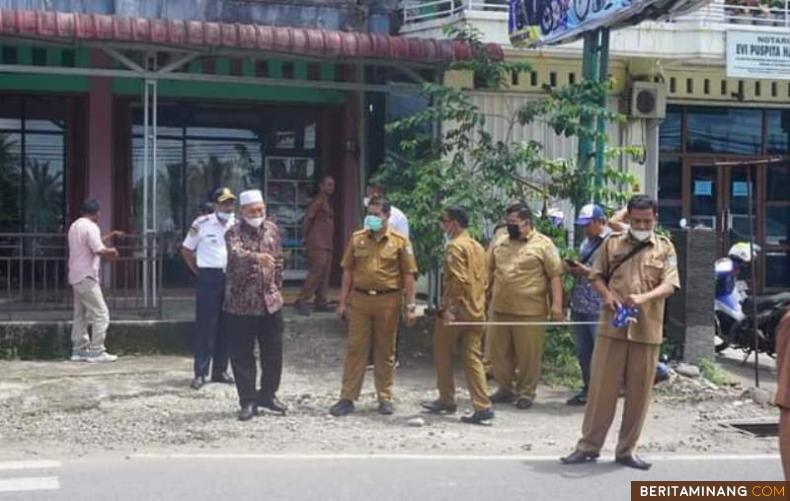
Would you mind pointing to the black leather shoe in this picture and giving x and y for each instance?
(222, 377)
(501, 397)
(438, 407)
(579, 457)
(523, 403)
(578, 399)
(302, 310)
(324, 308)
(274, 405)
(633, 461)
(479, 417)
(197, 382)
(342, 408)
(248, 412)
(386, 408)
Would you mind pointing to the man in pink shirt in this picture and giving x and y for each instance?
(86, 248)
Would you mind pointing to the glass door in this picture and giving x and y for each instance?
(704, 198)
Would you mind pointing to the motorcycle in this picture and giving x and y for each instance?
(770, 310)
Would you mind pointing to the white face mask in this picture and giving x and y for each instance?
(255, 222)
(223, 216)
(366, 201)
(641, 235)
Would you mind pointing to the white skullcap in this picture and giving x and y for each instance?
(250, 197)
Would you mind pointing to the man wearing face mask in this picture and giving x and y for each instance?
(206, 256)
(525, 269)
(253, 306)
(379, 269)
(634, 269)
(463, 299)
(397, 220)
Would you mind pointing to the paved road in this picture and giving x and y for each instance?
(239, 477)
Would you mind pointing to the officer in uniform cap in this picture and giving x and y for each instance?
(637, 270)
(378, 266)
(205, 254)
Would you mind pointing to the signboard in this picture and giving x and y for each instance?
(546, 22)
(754, 54)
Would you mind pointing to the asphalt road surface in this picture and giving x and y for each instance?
(199, 477)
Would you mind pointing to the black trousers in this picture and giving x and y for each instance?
(242, 331)
(210, 342)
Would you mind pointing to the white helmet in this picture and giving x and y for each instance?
(742, 251)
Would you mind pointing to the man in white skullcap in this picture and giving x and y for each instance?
(253, 305)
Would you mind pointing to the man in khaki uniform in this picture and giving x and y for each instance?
(463, 299)
(319, 238)
(378, 268)
(782, 399)
(524, 265)
(636, 268)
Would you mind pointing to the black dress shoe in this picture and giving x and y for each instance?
(578, 399)
(222, 377)
(524, 403)
(502, 397)
(197, 382)
(302, 309)
(274, 405)
(324, 308)
(386, 408)
(633, 461)
(248, 412)
(579, 457)
(438, 407)
(342, 408)
(479, 417)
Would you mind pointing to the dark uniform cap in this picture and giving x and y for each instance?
(222, 195)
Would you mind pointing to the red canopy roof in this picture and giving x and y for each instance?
(77, 27)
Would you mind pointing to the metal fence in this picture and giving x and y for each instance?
(34, 273)
(415, 11)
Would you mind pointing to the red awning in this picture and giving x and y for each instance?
(77, 27)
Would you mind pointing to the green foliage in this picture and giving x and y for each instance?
(464, 164)
(711, 371)
(560, 366)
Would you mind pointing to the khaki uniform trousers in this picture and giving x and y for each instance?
(445, 340)
(90, 310)
(613, 361)
(516, 354)
(319, 266)
(371, 320)
(784, 440)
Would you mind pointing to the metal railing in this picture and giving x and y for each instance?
(415, 12)
(34, 273)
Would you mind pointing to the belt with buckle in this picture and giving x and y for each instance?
(374, 292)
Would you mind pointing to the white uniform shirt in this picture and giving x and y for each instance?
(398, 221)
(207, 239)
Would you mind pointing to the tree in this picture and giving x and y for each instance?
(463, 164)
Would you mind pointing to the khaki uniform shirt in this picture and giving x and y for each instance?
(643, 272)
(379, 264)
(319, 224)
(465, 278)
(521, 270)
(783, 363)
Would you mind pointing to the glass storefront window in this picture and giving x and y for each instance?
(669, 134)
(724, 130)
(778, 132)
(670, 179)
(777, 186)
(777, 225)
(777, 269)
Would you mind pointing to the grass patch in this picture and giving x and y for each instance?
(560, 366)
(713, 372)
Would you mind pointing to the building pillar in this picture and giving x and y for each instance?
(651, 158)
(100, 142)
(352, 149)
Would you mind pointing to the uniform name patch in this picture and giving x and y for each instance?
(672, 261)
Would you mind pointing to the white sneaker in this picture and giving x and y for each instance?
(78, 356)
(100, 357)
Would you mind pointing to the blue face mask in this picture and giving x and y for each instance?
(373, 223)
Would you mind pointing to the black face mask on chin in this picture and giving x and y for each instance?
(513, 231)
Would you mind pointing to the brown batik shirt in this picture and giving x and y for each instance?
(250, 288)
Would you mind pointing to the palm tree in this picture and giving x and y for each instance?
(44, 197)
(9, 183)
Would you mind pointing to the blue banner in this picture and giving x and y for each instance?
(545, 22)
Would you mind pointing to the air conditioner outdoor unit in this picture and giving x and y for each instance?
(647, 100)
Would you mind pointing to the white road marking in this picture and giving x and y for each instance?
(28, 465)
(29, 484)
(438, 457)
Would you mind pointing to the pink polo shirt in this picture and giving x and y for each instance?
(84, 245)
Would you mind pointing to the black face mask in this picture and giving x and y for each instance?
(513, 231)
